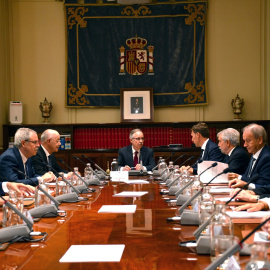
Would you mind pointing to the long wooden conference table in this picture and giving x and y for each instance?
(150, 241)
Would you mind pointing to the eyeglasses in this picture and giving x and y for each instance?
(138, 139)
(34, 142)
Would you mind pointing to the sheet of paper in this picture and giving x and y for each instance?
(220, 190)
(138, 181)
(130, 194)
(211, 173)
(257, 238)
(224, 199)
(245, 214)
(118, 209)
(119, 176)
(93, 253)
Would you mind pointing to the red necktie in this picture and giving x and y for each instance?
(135, 161)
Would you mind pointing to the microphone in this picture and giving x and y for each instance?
(96, 165)
(181, 209)
(23, 230)
(48, 210)
(235, 248)
(181, 199)
(164, 160)
(75, 189)
(203, 226)
(91, 182)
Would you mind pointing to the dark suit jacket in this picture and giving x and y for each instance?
(38, 162)
(125, 157)
(211, 153)
(12, 158)
(262, 168)
(238, 160)
(1, 190)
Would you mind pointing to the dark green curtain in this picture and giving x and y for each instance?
(172, 60)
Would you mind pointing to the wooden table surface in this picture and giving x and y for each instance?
(150, 242)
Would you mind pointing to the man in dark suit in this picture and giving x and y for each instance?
(50, 143)
(129, 157)
(209, 150)
(255, 141)
(236, 157)
(25, 146)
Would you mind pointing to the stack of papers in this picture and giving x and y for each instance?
(131, 194)
(118, 209)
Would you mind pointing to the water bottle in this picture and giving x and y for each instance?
(75, 180)
(88, 174)
(195, 187)
(40, 197)
(220, 226)
(259, 258)
(114, 165)
(206, 205)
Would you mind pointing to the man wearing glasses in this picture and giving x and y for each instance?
(25, 146)
(50, 143)
(130, 157)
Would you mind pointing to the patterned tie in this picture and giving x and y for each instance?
(135, 161)
(250, 169)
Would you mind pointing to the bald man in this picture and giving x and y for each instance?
(50, 143)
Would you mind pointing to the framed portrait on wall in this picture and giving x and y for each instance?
(136, 104)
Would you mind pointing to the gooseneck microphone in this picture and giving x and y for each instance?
(164, 160)
(39, 188)
(75, 189)
(23, 230)
(47, 210)
(203, 226)
(235, 248)
(91, 182)
(181, 209)
(96, 165)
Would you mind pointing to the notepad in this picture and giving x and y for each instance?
(131, 194)
(118, 209)
(93, 253)
(245, 214)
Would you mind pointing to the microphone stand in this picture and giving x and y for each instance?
(47, 210)
(235, 248)
(94, 183)
(164, 160)
(181, 209)
(198, 232)
(96, 165)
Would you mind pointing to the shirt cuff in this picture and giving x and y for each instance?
(239, 177)
(251, 186)
(266, 200)
(4, 187)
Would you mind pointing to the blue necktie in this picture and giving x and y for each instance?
(250, 169)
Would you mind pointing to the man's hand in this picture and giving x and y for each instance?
(126, 168)
(69, 174)
(232, 176)
(20, 188)
(252, 207)
(245, 195)
(138, 167)
(266, 226)
(48, 177)
(186, 168)
(236, 183)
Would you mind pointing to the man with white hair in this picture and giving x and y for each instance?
(26, 144)
(50, 143)
(236, 157)
(255, 141)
